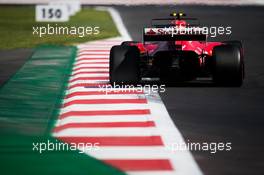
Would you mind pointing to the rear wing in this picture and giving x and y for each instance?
(173, 34)
(166, 22)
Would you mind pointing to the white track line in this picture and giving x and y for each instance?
(91, 61)
(90, 70)
(151, 173)
(92, 56)
(102, 89)
(97, 132)
(118, 22)
(88, 81)
(90, 75)
(93, 52)
(102, 107)
(116, 96)
(171, 135)
(135, 152)
(91, 65)
(99, 119)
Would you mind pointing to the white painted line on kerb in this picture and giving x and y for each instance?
(92, 56)
(139, 152)
(96, 107)
(118, 22)
(90, 75)
(116, 96)
(100, 119)
(104, 132)
(88, 70)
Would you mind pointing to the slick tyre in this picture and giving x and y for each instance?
(228, 65)
(124, 65)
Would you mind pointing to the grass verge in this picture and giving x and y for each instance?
(16, 27)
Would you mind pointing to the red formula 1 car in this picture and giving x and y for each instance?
(177, 57)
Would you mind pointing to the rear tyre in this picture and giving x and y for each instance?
(124, 65)
(228, 65)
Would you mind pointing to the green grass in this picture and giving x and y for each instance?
(16, 27)
(29, 104)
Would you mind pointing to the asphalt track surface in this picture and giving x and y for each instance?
(218, 114)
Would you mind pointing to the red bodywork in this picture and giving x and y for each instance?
(196, 46)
